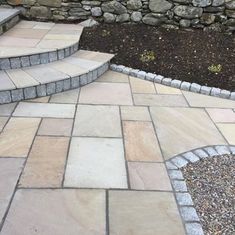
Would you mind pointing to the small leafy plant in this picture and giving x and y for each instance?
(147, 56)
(215, 68)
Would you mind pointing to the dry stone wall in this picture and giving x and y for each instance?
(207, 14)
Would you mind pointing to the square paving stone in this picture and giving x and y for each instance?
(148, 176)
(56, 127)
(17, 137)
(161, 89)
(44, 99)
(148, 213)
(57, 212)
(10, 170)
(142, 86)
(97, 121)
(69, 97)
(135, 113)
(106, 93)
(3, 121)
(221, 115)
(111, 76)
(96, 163)
(228, 131)
(7, 109)
(183, 129)
(140, 142)
(46, 162)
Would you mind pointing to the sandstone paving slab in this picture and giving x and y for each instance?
(44, 99)
(7, 109)
(148, 213)
(96, 163)
(5, 81)
(8, 41)
(24, 24)
(26, 33)
(97, 121)
(228, 131)
(106, 93)
(148, 176)
(183, 129)
(85, 64)
(58, 212)
(140, 142)
(51, 36)
(198, 100)
(29, 109)
(111, 76)
(55, 127)
(3, 121)
(46, 162)
(159, 100)
(17, 137)
(135, 113)
(142, 86)
(161, 89)
(66, 97)
(221, 115)
(10, 170)
(55, 44)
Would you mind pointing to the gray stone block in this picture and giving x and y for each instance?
(190, 156)
(222, 149)
(141, 74)
(211, 151)
(83, 79)
(44, 58)
(158, 79)
(225, 94)
(205, 90)
(67, 52)
(89, 77)
(195, 87)
(185, 86)
(75, 46)
(25, 62)
(41, 90)
(17, 95)
(201, 153)
(75, 82)
(179, 161)
(215, 91)
(94, 75)
(53, 56)
(232, 96)
(175, 175)
(34, 59)
(184, 199)
(126, 70)
(113, 67)
(176, 83)
(5, 97)
(179, 185)
(51, 88)
(134, 72)
(232, 149)
(67, 84)
(189, 213)
(150, 76)
(119, 68)
(166, 81)
(59, 86)
(15, 63)
(194, 229)
(171, 166)
(5, 64)
(61, 54)
(30, 92)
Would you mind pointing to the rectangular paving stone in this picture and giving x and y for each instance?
(135, 113)
(140, 142)
(10, 170)
(17, 137)
(159, 100)
(29, 109)
(142, 86)
(7, 109)
(182, 129)
(111, 76)
(46, 162)
(57, 212)
(161, 89)
(69, 97)
(5, 81)
(97, 121)
(148, 176)
(221, 115)
(3, 121)
(44, 99)
(138, 213)
(26, 33)
(96, 163)
(228, 131)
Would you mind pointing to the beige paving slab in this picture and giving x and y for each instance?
(159, 100)
(142, 86)
(228, 131)
(198, 100)
(3, 121)
(29, 109)
(55, 127)
(17, 137)
(24, 24)
(7, 109)
(55, 44)
(46, 162)
(44, 99)
(96, 163)
(148, 176)
(221, 115)
(140, 142)
(97, 121)
(85, 64)
(111, 76)
(57, 212)
(148, 213)
(50, 36)
(161, 89)
(5, 81)
(69, 97)
(10, 170)
(43, 25)
(135, 113)
(26, 33)
(68, 27)
(106, 93)
(18, 42)
(183, 129)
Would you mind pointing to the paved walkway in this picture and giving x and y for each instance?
(91, 161)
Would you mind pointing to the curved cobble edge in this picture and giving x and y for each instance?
(183, 198)
(186, 86)
(52, 87)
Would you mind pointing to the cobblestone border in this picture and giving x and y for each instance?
(52, 87)
(186, 86)
(183, 198)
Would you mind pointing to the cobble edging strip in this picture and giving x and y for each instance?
(186, 86)
(183, 198)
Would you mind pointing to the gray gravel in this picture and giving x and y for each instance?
(211, 183)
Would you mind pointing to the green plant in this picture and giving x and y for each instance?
(215, 68)
(147, 56)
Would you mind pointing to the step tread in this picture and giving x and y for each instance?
(6, 14)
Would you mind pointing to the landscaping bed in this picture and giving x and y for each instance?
(206, 58)
(211, 183)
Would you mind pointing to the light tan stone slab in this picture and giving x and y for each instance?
(3, 121)
(43, 25)
(46, 162)
(69, 97)
(7, 109)
(198, 100)
(161, 89)
(159, 100)
(228, 131)
(29, 109)
(56, 127)
(57, 212)
(142, 86)
(44, 99)
(5, 81)
(135, 113)
(24, 24)
(97, 121)
(8, 41)
(183, 129)
(85, 64)
(50, 36)
(17, 137)
(111, 76)
(148, 176)
(106, 93)
(56, 44)
(140, 142)
(148, 213)
(221, 115)
(10, 170)
(96, 163)
(26, 33)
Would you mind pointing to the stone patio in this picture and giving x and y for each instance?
(92, 160)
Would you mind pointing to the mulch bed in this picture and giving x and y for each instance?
(194, 56)
(211, 183)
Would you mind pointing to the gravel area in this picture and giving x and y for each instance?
(211, 183)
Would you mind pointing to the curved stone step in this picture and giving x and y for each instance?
(79, 69)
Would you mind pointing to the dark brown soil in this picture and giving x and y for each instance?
(178, 54)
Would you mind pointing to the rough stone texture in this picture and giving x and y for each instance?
(188, 12)
(159, 6)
